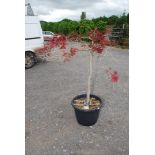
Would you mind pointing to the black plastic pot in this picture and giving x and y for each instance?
(87, 117)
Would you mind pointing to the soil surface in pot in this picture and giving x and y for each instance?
(94, 103)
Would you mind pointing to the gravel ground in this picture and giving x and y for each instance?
(51, 126)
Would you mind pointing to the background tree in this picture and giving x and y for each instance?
(83, 15)
(85, 26)
(123, 20)
(101, 25)
(112, 20)
(104, 19)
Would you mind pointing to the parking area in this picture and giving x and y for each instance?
(51, 126)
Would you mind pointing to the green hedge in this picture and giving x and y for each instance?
(68, 26)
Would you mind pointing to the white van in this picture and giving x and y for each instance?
(33, 36)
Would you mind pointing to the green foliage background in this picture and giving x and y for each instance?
(67, 26)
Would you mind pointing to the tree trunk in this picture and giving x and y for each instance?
(86, 106)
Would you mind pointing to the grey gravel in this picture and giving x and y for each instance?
(50, 122)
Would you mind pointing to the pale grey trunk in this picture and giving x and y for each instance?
(86, 106)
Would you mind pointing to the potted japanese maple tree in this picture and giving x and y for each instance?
(87, 106)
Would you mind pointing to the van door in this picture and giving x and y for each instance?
(33, 33)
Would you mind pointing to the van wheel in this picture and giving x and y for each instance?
(29, 60)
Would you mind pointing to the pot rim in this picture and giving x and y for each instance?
(85, 110)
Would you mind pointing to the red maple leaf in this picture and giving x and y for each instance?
(114, 76)
(73, 51)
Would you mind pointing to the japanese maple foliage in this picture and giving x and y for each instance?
(113, 75)
(56, 41)
(97, 44)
